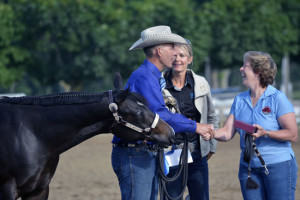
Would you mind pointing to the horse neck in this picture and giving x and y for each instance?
(79, 123)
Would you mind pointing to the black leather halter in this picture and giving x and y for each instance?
(113, 107)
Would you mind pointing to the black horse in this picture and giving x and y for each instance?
(34, 131)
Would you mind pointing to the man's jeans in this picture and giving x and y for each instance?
(197, 179)
(136, 171)
(280, 184)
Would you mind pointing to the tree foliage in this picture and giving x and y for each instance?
(82, 42)
(241, 25)
(11, 55)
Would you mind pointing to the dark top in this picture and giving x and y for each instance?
(185, 99)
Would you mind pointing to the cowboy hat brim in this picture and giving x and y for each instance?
(158, 39)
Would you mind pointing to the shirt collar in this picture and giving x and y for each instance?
(168, 77)
(268, 92)
(149, 65)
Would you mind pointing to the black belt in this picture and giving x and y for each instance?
(152, 147)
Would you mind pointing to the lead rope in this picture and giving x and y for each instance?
(250, 149)
(182, 168)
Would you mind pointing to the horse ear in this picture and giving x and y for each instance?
(119, 98)
(118, 82)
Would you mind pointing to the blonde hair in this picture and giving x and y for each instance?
(263, 64)
(187, 48)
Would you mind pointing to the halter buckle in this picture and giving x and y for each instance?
(113, 107)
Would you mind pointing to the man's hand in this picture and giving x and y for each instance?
(206, 130)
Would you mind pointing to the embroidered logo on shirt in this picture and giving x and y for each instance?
(192, 95)
(266, 110)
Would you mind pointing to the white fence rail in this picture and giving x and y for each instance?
(13, 94)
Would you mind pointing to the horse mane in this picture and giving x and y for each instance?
(67, 98)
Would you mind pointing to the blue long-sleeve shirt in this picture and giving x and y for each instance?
(145, 81)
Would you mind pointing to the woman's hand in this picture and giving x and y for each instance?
(260, 131)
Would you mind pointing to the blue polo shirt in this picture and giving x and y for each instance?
(145, 81)
(271, 105)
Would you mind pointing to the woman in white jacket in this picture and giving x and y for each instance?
(189, 94)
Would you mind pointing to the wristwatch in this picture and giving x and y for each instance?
(268, 134)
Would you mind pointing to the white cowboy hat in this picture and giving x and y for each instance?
(157, 35)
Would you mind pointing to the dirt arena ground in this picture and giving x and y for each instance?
(85, 173)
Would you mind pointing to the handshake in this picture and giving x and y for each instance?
(206, 130)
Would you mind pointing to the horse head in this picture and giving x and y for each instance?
(134, 121)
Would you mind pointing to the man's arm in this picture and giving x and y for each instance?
(150, 89)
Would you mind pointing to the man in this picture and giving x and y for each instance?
(135, 164)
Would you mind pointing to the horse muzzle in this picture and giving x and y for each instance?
(163, 134)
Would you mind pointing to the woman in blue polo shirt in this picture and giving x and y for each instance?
(270, 111)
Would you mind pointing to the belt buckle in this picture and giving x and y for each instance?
(191, 146)
(131, 145)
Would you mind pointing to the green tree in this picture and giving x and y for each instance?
(183, 18)
(11, 55)
(239, 25)
(63, 38)
(81, 43)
